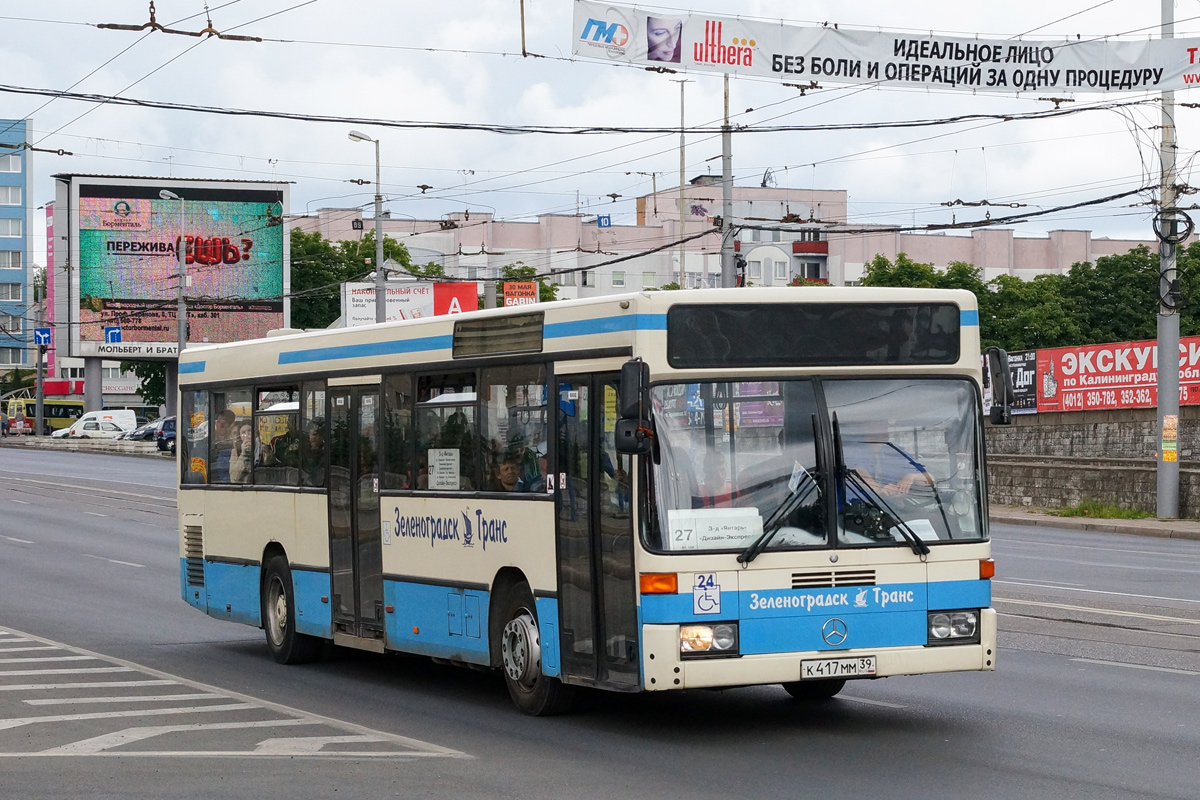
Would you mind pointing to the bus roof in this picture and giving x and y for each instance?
(603, 325)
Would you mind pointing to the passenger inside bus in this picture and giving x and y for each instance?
(241, 459)
(223, 444)
(312, 458)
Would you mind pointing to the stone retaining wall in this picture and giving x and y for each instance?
(1061, 459)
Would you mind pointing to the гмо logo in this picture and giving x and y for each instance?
(613, 33)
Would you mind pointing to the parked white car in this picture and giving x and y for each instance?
(100, 425)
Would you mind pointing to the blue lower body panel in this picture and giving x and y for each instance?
(547, 611)
(233, 592)
(437, 621)
(194, 596)
(312, 615)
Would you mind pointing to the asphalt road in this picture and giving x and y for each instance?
(1096, 693)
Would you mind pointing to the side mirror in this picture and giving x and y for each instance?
(1000, 379)
(633, 431)
(633, 395)
(633, 437)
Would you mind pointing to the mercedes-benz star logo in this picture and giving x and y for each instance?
(834, 631)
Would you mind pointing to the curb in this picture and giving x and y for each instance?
(101, 446)
(1164, 530)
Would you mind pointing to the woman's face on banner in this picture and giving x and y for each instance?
(662, 37)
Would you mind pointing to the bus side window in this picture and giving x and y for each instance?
(191, 436)
(313, 455)
(447, 440)
(398, 471)
(515, 428)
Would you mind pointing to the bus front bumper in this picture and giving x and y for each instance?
(663, 669)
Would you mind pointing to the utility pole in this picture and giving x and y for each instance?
(1168, 313)
(728, 271)
(682, 182)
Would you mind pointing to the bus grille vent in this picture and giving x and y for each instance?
(193, 546)
(830, 579)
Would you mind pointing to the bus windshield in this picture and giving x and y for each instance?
(740, 459)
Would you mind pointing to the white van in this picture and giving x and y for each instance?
(100, 425)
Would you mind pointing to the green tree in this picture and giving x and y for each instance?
(152, 380)
(320, 266)
(1115, 299)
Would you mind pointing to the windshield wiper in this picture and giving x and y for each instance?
(790, 503)
(774, 522)
(846, 475)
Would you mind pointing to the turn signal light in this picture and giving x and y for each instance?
(987, 568)
(658, 583)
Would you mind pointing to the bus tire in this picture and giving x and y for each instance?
(814, 690)
(279, 616)
(521, 658)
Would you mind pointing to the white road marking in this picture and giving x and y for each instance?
(112, 560)
(1135, 666)
(94, 514)
(1142, 552)
(1039, 581)
(1100, 591)
(70, 701)
(10, 639)
(19, 541)
(21, 649)
(869, 702)
(58, 486)
(22, 502)
(45, 658)
(34, 687)
(17, 722)
(308, 745)
(1110, 612)
(98, 744)
(29, 672)
(415, 748)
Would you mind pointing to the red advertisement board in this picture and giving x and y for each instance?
(1118, 375)
(455, 298)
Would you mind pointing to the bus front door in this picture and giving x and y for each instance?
(597, 599)
(355, 549)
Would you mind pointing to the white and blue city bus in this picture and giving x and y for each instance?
(647, 492)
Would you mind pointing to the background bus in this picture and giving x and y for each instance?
(651, 492)
(56, 414)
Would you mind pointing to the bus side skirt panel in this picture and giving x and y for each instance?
(233, 592)
(313, 616)
(438, 621)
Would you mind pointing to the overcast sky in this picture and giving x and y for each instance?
(459, 60)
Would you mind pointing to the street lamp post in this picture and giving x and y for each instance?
(380, 277)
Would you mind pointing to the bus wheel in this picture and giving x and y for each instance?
(521, 658)
(814, 690)
(279, 617)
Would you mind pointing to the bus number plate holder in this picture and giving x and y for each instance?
(826, 668)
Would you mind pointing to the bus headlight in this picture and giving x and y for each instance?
(953, 627)
(699, 641)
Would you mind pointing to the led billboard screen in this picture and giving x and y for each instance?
(127, 237)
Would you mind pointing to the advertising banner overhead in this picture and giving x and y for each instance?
(678, 40)
(407, 301)
(520, 293)
(1120, 375)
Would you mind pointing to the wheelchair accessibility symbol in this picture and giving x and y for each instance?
(706, 594)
